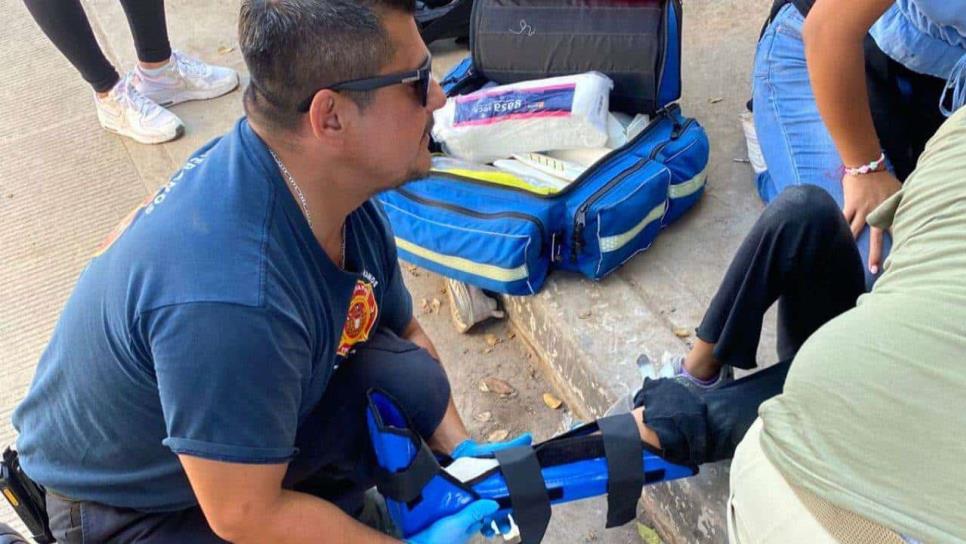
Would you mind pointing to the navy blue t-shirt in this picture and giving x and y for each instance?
(209, 325)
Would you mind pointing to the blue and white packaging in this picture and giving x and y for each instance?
(567, 112)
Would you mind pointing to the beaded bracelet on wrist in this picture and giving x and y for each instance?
(873, 166)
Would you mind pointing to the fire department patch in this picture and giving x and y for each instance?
(360, 319)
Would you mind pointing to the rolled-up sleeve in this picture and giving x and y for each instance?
(230, 379)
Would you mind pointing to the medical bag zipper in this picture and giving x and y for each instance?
(473, 213)
(580, 217)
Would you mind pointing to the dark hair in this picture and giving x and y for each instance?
(294, 47)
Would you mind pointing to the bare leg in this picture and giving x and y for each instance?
(153, 65)
(701, 362)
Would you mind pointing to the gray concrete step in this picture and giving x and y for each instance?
(590, 334)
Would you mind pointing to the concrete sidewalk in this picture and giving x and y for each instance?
(64, 183)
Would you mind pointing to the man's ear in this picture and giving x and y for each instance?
(327, 115)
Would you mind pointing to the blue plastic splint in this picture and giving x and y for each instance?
(421, 488)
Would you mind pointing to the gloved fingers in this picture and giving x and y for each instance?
(479, 510)
(459, 527)
(469, 448)
(524, 439)
(477, 515)
(473, 529)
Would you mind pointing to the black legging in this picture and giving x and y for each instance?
(801, 254)
(66, 25)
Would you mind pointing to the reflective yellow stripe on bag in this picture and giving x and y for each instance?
(613, 243)
(498, 178)
(689, 187)
(489, 271)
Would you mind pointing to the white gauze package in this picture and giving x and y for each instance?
(567, 112)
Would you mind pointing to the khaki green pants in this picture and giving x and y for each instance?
(763, 508)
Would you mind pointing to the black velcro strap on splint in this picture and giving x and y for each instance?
(528, 492)
(407, 485)
(625, 467)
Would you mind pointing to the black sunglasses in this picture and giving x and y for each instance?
(420, 77)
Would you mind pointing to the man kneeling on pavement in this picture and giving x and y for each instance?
(207, 377)
(215, 327)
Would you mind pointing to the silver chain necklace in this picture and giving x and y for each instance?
(305, 205)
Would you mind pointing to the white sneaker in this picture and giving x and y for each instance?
(129, 113)
(469, 305)
(184, 78)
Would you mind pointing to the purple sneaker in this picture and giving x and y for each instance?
(672, 366)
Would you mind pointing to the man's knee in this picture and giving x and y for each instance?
(407, 373)
(334, 434)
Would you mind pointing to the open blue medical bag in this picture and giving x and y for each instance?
(507, 239)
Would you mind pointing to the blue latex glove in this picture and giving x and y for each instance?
(469, 447)
(459, 527)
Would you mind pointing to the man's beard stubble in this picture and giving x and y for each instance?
(417, 172)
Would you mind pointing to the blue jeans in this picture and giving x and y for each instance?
(797, 147)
